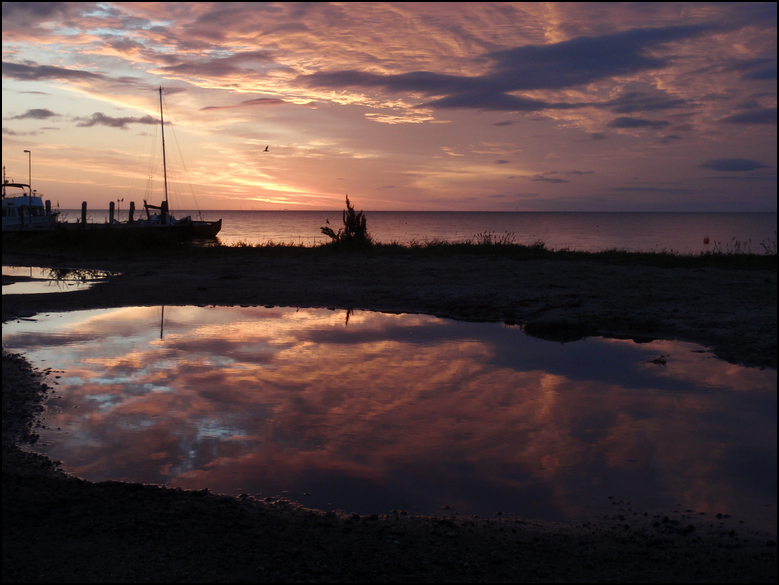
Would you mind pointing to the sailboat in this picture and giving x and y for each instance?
(186, 227)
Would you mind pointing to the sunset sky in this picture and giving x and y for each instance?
(410, 106)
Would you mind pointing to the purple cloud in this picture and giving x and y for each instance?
(561, 65)
(100, 119)
(757, 116)
(627, 122)
(733, 165)
(38, 72)
(34, 114)
(544, 178)
(249, 103)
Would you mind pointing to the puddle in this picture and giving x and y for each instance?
(369, 412)
(36, 280)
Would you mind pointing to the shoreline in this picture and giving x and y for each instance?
(62, 528)
(732, 311)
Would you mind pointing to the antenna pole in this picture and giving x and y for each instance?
(164, 165)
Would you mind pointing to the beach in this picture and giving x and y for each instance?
(58, 528)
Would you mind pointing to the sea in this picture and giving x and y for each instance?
(683, 233)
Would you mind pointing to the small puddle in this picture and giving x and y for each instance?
(30, 280)
(370, 412)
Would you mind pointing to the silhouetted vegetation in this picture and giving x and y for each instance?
(140, 244)
(355, 230)
(734, 247)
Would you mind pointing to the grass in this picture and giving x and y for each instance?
(141, 244)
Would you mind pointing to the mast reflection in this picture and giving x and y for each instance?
(405, 412)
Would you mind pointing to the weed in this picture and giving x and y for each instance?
(769, 246)
(733, 247)
(489, 239)
(355, 230)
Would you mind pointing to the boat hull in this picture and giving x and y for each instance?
(186, 229)
(27, 213)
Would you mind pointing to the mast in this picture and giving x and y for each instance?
(164, 166)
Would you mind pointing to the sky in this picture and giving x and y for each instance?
(409, 106)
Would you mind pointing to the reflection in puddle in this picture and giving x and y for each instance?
(37, 280)
(404, 412)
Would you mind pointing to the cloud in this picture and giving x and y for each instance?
(25, 14)
(733, 164)
(667, 190)
(641, 102)
(562, 65)
(35, 114)
(249, 103)
(757, 116)
(758, 178)
(627, 122)
(100, 119)
(44, 72)
(582, 60)
(9, 132)
(487, 100)
(502, 161)
(757, 69)
(219, 67)
(544, 178)
(761, 74)
(39, 72)
(654, 190)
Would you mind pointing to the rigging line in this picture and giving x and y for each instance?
(153, 165)
(172, 128)
(134, 175)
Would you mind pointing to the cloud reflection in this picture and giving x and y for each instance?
(405, 411)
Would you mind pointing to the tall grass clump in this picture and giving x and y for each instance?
(490, 239)
(733, 247)
(769, 246)
(355, 230)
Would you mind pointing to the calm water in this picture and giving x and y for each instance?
(369, 412)
(48, 280)
(681, 232)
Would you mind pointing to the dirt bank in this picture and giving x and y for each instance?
(731, 311)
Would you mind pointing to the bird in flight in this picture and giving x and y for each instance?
(266, 148)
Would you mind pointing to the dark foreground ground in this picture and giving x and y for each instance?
(57, 528)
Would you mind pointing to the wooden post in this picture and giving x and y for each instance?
(164, 212)
(111, 213)
(83, 214)
(132, 212)
(48, 207)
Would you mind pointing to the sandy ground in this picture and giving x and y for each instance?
(57, 528)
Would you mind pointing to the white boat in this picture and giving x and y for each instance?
(23, 209)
